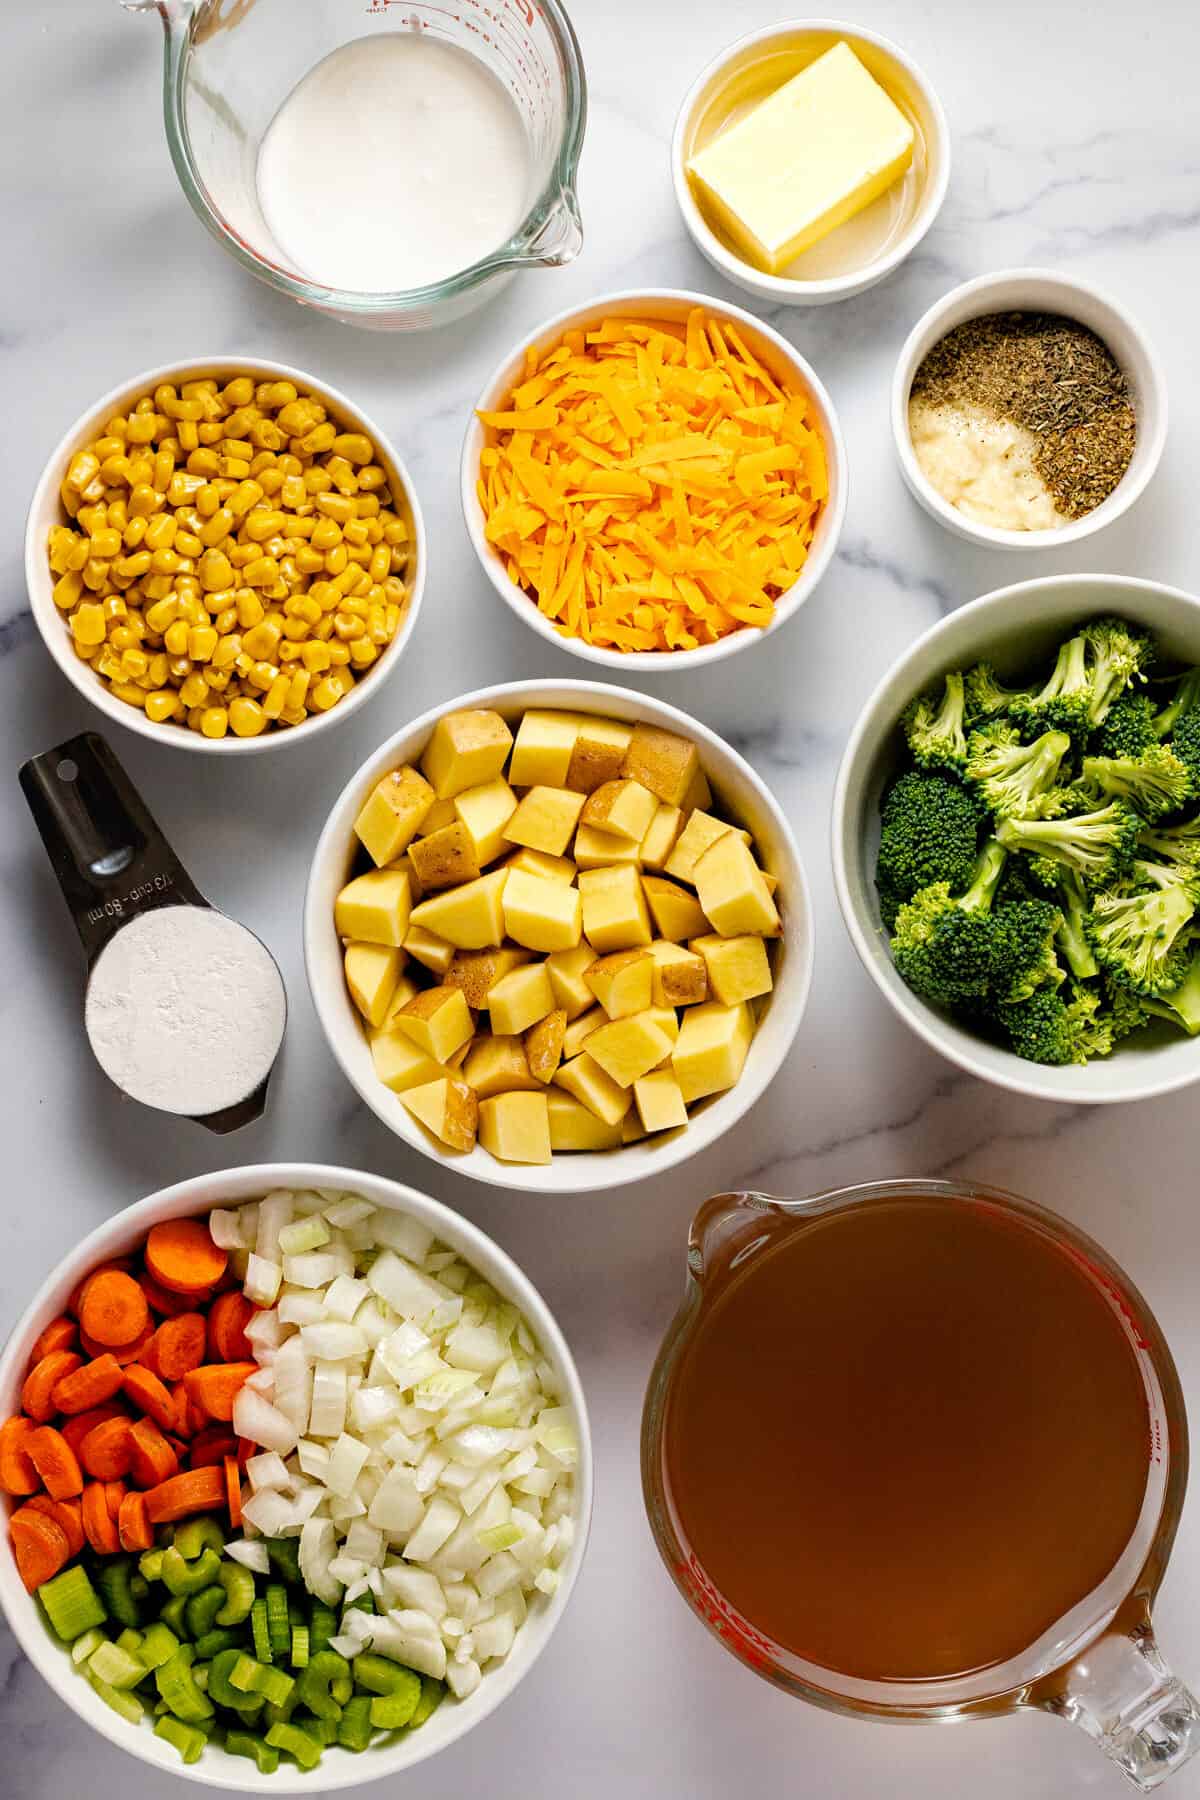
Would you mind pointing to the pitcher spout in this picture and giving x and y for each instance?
(557, 241)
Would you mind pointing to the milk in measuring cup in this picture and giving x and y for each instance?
(397, 161)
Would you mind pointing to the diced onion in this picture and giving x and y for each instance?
(251, 1556)
(262, 1280)
(263, 1423)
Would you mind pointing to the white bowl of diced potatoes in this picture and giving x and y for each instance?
(558, 935)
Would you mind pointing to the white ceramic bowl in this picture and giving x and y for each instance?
(1037, 290)
(746, 797)
(1015, 628)
(778, 356)
(46, 510)
(795, 43)
(338, 1768)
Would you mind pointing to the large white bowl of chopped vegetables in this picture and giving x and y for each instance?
(1038, 751)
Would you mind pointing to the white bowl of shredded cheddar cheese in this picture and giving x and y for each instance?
(619, 515)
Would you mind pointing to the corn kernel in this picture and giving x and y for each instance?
(246, 717)
(276, 695)
(175, 638)
(330, 689)
(194, 690)
(201, 642)
(162, 704)
(87, 624)
(315, 657)
(262, 572)
(214, 722)
(215, 571)
(134, 532)
(129, 692)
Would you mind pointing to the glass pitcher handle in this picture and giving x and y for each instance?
(1124, 1696)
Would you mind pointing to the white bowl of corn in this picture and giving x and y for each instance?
(558, 935)
(222, 552)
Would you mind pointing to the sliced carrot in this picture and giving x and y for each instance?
(56, 1463)
(133, 1527)
(179, 1345)
(76, 1428)
(124, 1263)
(67, 1513)
(233, 1490)
(107, 1450)
(178, 1449)
(212, 1445)
(58, 1335)
(227, 1320)
(245, 1450)
(17, 1473)
(215, 1386)
(113, 1309)
(37, 1395)
(182, 1257)
(98, 1527)
(91, 1385)
(114, 1493)
(39, 1544)
(124, 1353)
(149, 1395)
(168, 1304)
(197, 1490)
(154, 1461)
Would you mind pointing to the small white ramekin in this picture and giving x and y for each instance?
(671, 305)
(747, 799)
(811, 38)
(1037, 290)
(338, 1768)
(46, 510)
(1014, 628)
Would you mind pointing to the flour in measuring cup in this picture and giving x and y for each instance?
(185, 1010)
(397, 161)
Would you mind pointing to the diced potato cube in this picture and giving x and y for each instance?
(485, 811)
(738, 968)
(440, 814)
(545, 820)
(574, 1126)
(542, 751)
(446, 1107)
(399, 1063)
(677, 914)
(697, 836)
(622, 808)
(393, 815)
(466, 749)
(426, 947)
(437, 1020)
(542, 915)
(516, 1128)
(446, 858)
(551, 868)
(519, 999)
(476, 971)
(662, 761)
(659, 1101)
(374, 908)
(586, 1080)
(600, 849)
(614, 909)
(544, 1044)
(580, 1029)
(598, 754)
(711, 1049)
(404, 865)
(623, 983)
(659, 840)
(404, 990)
(372, 971)
(732, 892)
(666, 1018)
(680, 976)
(699, 795)
(566, 969)
(632, 1129)
(627, 1049)
(499, 1065)
(471, 917)
(458, 1057)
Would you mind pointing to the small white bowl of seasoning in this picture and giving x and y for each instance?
(1029, 410)
(870, 243)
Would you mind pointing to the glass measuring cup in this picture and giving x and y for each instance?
(229, 64)
(1099, 1665)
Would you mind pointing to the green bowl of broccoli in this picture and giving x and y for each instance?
(1016, 838)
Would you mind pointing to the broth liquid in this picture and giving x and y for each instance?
(905, 1439)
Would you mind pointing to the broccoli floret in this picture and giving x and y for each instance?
(1181, 1005)
(1156, 783)
(1185, 742)
(929, 832)
(1130, 727)
(1047, 1028)
(1098, 845)
(933, 726)
(1183, 702)
(1124, 1011)
(942, 946)
(1178, 844)
(1011, 776)
(1139, 935)
(1066, 699)
(1024, 957)
(1117, 655)
(986, 696)
(1072, 931)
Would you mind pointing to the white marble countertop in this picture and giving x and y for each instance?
(1072, 149)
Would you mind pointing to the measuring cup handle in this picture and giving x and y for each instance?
(1124, 1696)
(108, 855)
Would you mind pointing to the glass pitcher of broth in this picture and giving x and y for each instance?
(918, 1451)
(229, 65)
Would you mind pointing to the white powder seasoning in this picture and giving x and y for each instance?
(185, 1010)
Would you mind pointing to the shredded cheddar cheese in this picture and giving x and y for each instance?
(651, 486)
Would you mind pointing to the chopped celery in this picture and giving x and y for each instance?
(210, 1643)
(202, 1609)
(159, 1643)
(72, 1604)
(279, 1630)
(173, 1614)
(324, 1730)
(245, 1743)
(150, 1564)
(260, 1631)
(285, 1557)
(299, 1653)
(380, 1675)
(297, 1743)
(396, 1706)
(176, 1686)
(197, 1535)
(112, 1578)
(185, 1738)
(278, 1712)
(342, 1689)
(322, 1624)
(252, 1677)
(354, 1726)
(83, 1646)
(220, 1689)
(130, 1640)
(238, 1585)
(139, 1587)
(184, 1577)
(121, 1701)
(116, 1667)
(312, 1683)
(432, 1693)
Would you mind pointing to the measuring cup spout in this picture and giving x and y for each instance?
(557, 241)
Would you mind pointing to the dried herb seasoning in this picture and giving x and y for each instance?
(1053, 377)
